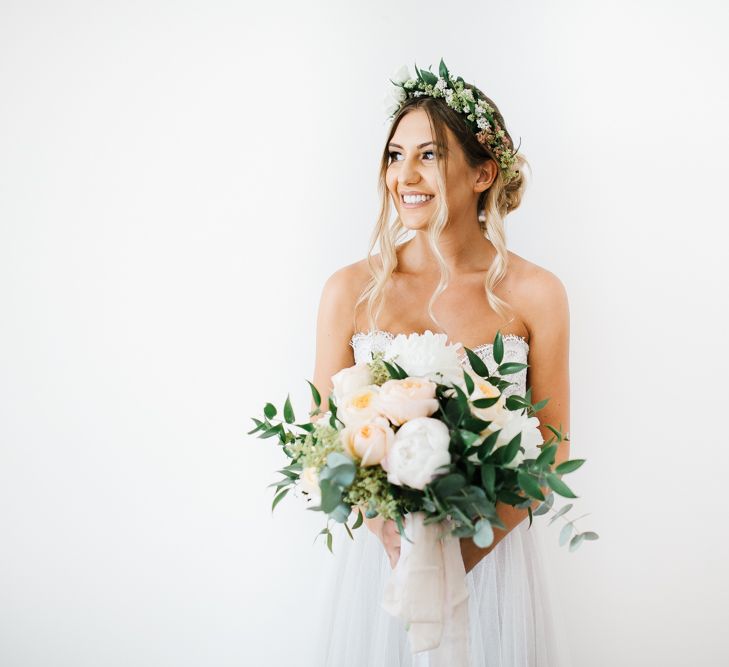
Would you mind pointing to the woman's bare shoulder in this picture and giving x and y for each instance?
(539, 291)
(350, 279)
(530, 278)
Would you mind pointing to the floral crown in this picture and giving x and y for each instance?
(479, 114)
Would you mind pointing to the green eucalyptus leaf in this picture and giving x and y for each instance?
(559, 486)
(511, 449)
(315, 394)
(477, 364)
(545, 506)
(498, 350)
(331, 495)
(468, 380)
(565, 533)
(546, 457)
(340, 513)
(515, 402)
(488, 479)
(485, 402)
(488, 444)
(484, 535)
(560, 512)
(576, 541)
(278, 498)
(270, 410)
(329, 542)
(288, 411)
(510, 367)
(448, 485)
(589, 535)
(529, 485)
(568, 466)
(540, 405)
(360, 519)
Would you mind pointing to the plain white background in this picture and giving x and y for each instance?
(178, 179)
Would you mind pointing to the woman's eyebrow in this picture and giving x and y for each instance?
(418, 146)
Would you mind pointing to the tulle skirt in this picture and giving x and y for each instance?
(514, 613)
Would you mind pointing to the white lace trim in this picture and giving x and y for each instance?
(358, 335)
(364, 343)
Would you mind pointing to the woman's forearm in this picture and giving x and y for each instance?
(511, 517)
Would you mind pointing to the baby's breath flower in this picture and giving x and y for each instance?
(313, 450)
(371, 488)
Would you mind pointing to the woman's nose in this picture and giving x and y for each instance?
(408, 171)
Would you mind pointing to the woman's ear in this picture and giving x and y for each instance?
(486, 175)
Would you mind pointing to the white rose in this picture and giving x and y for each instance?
(359, 406)
(394, 98)
(350, 379)
(309, 482)
(419, 450)
(531, 437)
(402, 74)
(427, 355)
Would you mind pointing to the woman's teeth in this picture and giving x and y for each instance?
(416, 199)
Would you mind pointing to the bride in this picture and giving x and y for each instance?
(452, 175)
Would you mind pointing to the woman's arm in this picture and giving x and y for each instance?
(548, 376)
(334, 329)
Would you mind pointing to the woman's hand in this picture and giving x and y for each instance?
(391, 541)
(386, 531)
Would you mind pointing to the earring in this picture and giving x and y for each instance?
(482, 216)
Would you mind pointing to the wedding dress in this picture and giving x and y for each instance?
(514, 617)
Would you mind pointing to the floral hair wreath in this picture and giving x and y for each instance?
(479, 114)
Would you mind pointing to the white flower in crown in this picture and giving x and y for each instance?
(427, 355)
(395, 94)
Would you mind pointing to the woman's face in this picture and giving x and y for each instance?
(412, 169)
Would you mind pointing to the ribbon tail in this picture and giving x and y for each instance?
(428, 590)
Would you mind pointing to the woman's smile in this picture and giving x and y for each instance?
(415, 201)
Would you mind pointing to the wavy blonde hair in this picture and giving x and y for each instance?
(496, 202)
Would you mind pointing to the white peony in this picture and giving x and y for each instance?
(420, 448)
(531, 437)
(350, 379)
(427, 355)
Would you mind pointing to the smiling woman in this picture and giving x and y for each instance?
(452, 175)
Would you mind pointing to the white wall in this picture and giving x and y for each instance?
(176, 182)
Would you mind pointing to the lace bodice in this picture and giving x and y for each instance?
(515, 349)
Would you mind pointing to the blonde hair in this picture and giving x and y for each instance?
(496, 202)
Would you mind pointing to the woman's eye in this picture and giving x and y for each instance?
(392, 155)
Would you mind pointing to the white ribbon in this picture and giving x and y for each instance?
(427, 589)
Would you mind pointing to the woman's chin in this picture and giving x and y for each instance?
(413, 221)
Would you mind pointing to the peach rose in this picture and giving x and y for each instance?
(406, 399)
(359, 406)
(498, 414)
(369, 441)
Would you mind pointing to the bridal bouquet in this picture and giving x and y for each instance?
(414, 436)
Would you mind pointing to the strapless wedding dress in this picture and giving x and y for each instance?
(515, 618)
